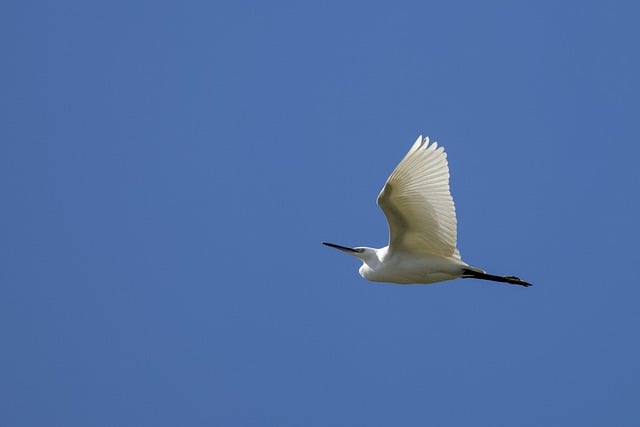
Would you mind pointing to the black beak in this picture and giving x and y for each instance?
(342, 248)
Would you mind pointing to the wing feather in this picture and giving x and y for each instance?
(418, 205)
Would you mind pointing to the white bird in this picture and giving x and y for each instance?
(422, 225)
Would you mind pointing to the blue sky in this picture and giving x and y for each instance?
(169, 169)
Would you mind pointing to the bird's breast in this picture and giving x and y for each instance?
(412, 269)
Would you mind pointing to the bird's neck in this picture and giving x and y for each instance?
(375, 257)
(372, 263)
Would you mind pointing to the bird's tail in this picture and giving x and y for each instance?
(468, 273)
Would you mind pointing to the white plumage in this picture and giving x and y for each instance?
(422, 225)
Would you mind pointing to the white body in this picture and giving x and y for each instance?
(422, 225)
(408, 268)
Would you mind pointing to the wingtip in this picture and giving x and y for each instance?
(427, 143)
(417, 144)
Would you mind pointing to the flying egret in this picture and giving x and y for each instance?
(422, 225)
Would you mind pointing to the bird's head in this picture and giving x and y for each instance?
(361, 252)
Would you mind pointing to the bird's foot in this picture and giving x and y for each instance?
(514, 280)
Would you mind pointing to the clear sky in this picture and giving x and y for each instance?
(169, 169)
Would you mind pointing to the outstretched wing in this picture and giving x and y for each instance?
(418, 205)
